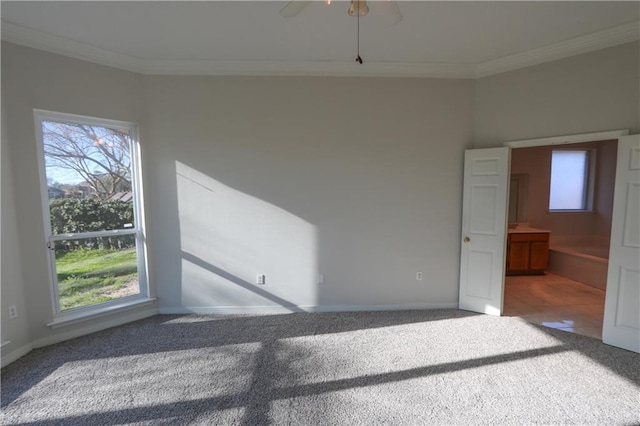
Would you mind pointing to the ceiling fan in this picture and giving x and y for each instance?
(388, 9)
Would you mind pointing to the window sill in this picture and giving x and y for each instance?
(571, 211)
(64, 320)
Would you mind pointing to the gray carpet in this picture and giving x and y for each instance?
(411, 367)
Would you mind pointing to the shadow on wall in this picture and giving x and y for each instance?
(227, 237)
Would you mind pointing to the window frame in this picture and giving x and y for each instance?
(589, 181)
(73, 314)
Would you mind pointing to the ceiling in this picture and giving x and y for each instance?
(435, 39)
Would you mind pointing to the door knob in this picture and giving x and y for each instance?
(467, 239)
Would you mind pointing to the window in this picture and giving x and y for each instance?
(571, 185)
(92, 207)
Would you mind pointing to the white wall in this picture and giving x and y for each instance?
(34, 79)
(586, 93)
(356, 179)
(11, 280)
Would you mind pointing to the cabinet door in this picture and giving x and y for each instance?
(519, 255)
(539, 255)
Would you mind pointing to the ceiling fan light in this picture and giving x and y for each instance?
(358, 8)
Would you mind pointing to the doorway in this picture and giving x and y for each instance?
(570, 294)
(484, 232)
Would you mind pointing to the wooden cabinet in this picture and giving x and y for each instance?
(527, 253)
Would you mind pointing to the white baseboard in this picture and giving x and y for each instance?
(113, 322)
(14, 355)
(179, 310)
(303, 308)
(371, 308)
(134, 316)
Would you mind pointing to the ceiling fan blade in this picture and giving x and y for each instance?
(293, 8)
(389, 11)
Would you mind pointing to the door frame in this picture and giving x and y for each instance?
(566, 140)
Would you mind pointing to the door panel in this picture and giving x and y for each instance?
(622, 305)
(479, 266)
(519, 256)
(482, 255)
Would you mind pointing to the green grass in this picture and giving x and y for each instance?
(86, 277)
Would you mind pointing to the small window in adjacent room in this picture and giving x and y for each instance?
(570, 180)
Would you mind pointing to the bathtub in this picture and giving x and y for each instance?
(583, 259)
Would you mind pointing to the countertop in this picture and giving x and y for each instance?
(526, 230)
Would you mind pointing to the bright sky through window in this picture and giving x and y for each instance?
(568, 180)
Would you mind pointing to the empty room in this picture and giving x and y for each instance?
(320, 212)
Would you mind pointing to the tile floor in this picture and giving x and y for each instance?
(557, 302)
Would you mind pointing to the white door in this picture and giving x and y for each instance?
(484, 227)
(621, 325)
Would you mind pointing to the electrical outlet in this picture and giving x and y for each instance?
(261, 279)
(13, 312)
(320, 278)
(418, 276)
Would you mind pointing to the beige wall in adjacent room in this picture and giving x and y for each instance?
(535, 162)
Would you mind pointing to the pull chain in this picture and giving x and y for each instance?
(358, 58)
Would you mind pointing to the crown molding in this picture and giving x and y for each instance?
(38, 40)
(71, 48)
(311, 68)
(599, 40)
(24, 36)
